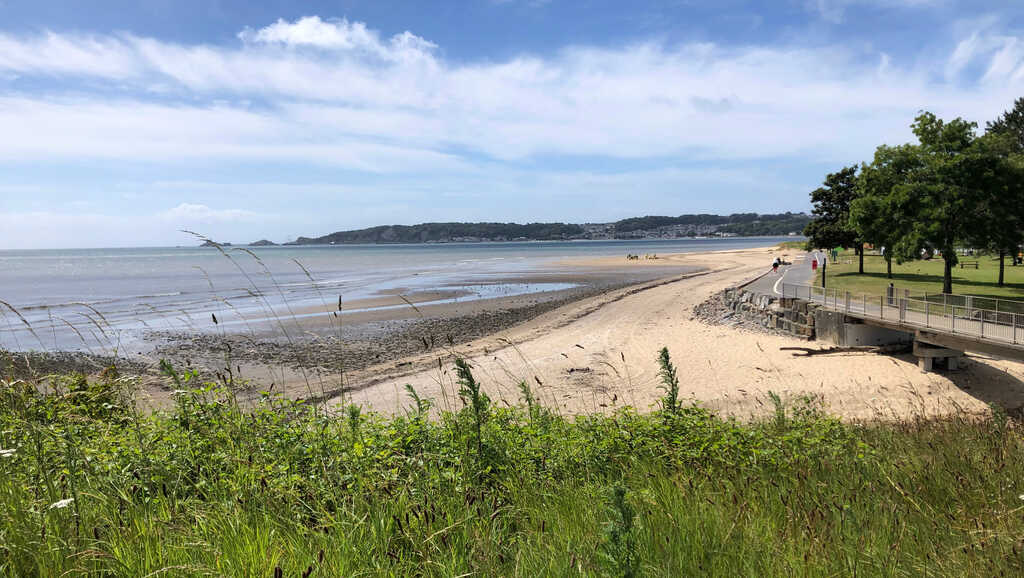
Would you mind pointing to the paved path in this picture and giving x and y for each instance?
(799, 273)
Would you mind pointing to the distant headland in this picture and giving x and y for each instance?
(648, 227)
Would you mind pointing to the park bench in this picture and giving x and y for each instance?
(966, 264)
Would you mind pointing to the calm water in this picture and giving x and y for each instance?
(178, 287)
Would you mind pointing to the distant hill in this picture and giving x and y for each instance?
(742, 224)
(263, 243)
(449, 232)
(648, 227)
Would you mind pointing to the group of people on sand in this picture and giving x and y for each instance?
(632, 257)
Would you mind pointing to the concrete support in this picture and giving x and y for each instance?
(927, 354)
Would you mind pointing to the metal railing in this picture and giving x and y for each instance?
(950, 313)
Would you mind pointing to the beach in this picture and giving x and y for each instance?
(582, 330)
(599, 354)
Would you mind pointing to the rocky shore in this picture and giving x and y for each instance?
(361, 345)
(351, 347)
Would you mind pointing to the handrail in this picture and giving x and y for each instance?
(949, 316)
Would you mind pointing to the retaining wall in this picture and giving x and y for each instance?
(786, 314)
(808, 320)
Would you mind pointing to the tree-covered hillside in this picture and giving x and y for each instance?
(743, 224)
(737, 223)
(446, 232)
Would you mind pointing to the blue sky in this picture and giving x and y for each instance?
(127, 121)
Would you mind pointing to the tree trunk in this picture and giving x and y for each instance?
(860, 247)
(947, 273)
(888, 266)
(1002, 254)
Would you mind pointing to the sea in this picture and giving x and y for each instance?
(102, 299)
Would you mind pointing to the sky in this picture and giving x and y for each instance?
(125, 122)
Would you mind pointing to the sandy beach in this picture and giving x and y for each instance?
(588, 347)
(598, 353)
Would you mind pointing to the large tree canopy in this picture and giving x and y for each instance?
(1010, 124)
(950, 189)
(831, 225)
(947, 193)
(880, 217)
(1004, 209)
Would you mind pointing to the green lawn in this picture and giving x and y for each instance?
(924, 277)
(799, 245)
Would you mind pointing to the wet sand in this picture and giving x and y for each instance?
(313, 351)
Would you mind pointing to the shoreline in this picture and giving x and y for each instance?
(384, 329)
(589, 349)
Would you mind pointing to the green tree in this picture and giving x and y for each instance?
(946, 194)
(1005, 206)
(877, 214)
(831, 225)
(1010, 123)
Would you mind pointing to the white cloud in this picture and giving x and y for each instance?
(356, 101)
(340, 35)
(188, 213)
(999, 56)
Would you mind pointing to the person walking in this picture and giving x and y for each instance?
(775, 265)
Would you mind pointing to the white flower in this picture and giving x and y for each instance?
(1020, 497)
(7, 453)
(61, 503)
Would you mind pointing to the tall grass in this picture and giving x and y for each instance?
(90, 486)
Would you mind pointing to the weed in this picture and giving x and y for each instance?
(670, 383)
(620, 546)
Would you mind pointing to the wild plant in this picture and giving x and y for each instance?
(421, 406)
(354, 419)
(476, 400)
(670, 383)
(204, 489)
(619, 549)
(528, 398)
(778, 410)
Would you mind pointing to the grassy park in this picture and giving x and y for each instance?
(924, 276)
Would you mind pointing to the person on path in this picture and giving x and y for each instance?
(775, 265)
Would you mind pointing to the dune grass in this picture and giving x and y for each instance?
(89, 486)
(924, 276)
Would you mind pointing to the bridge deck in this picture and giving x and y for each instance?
(984, 326)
